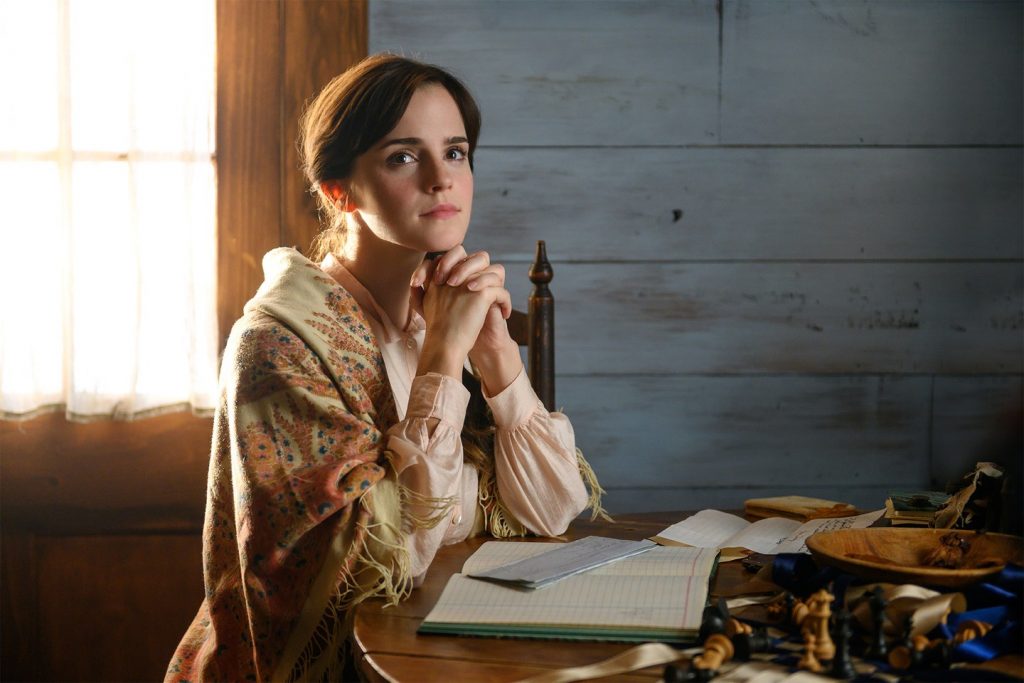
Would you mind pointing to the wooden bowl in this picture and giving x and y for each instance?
(899, 555)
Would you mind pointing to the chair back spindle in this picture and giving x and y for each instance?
(541, 341)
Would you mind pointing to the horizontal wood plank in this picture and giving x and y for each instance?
(731, 204)
(625, 500)
(879, 72)
(105, 477)
(979, 419)
(149, 585)
(569, 73)
(729, 433)
(948, 318)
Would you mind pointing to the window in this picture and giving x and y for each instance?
(107, 226)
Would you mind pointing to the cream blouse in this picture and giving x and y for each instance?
(535, 450)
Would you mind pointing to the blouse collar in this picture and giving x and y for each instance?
(415, 323)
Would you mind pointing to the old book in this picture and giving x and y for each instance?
(914, 508)
(800, 508)
(659, 595)
(736, 537)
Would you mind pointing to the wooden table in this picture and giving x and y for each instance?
(388, 649)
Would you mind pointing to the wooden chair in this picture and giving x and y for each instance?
(535, 329)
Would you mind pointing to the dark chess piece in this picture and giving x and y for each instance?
(907, 655)
(787, 616)
(842, 666)
(675, 674)
(937, 656)
(714, 620)
(748, 642)
(878, 648)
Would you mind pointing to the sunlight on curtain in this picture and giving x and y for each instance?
(107, 216)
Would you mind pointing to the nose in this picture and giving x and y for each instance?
(437, 175)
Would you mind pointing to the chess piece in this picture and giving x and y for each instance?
(808, 662)
(842, 666)
(878, 648)
(969, 630)
(938, 655)
(908, 656)
(675, 674)
(714, 620)
(816, 621)
(798, 613)
(717, 651)
(748, 642)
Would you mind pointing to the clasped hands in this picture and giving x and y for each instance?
(463, 300)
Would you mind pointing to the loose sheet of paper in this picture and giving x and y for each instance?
(565, 560)
(770, 536)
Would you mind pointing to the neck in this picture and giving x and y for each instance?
(363, 256)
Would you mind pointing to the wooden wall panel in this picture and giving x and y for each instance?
(976, 419)
(569, 73)
(321, 39)
(66, 477)
(249, 141)
(785, 317)
(893, 72)
(124, 600)
(101, 548)
(772, 431)
(724, 203)
(831, 201)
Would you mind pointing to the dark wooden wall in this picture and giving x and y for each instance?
(101, 547)
(787, 235)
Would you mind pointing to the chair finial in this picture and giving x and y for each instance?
(541, 272)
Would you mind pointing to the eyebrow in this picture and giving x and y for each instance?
(418, 141)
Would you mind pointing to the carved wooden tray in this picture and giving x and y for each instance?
(901, 555)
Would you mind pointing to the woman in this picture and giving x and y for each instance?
(342, 457)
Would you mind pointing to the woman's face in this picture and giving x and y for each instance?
(414, 187)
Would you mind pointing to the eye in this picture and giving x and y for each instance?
(400, 158)
(456, 153)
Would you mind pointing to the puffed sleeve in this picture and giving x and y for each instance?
(536, 466)
(426, 452)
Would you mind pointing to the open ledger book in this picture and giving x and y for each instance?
(659, 595)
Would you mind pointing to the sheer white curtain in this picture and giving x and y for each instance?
(107, 207)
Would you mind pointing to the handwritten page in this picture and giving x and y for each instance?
(770, 536)
(565, 560)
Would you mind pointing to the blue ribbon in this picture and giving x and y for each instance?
(997, 601)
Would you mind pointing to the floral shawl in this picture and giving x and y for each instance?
(304, 515)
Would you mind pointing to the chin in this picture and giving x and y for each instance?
(445, 242)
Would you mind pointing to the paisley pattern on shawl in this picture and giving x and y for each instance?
(304, 515)
(297, 451)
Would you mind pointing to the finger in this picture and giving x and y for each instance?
(495, 270)
(501, 297)
(416, 299)
(422, 274)
(474, 263)
(505, 299)
(447, 262)
(485, 279)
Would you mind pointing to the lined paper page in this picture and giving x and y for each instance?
(663, 588)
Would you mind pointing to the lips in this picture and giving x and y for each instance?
(441, 211)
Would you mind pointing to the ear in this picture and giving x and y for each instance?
(338, 195)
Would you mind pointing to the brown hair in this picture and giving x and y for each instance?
(355, 110)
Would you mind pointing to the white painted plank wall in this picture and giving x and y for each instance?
(787, 235)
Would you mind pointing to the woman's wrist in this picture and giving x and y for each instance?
(497, 367)
(440, 358)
